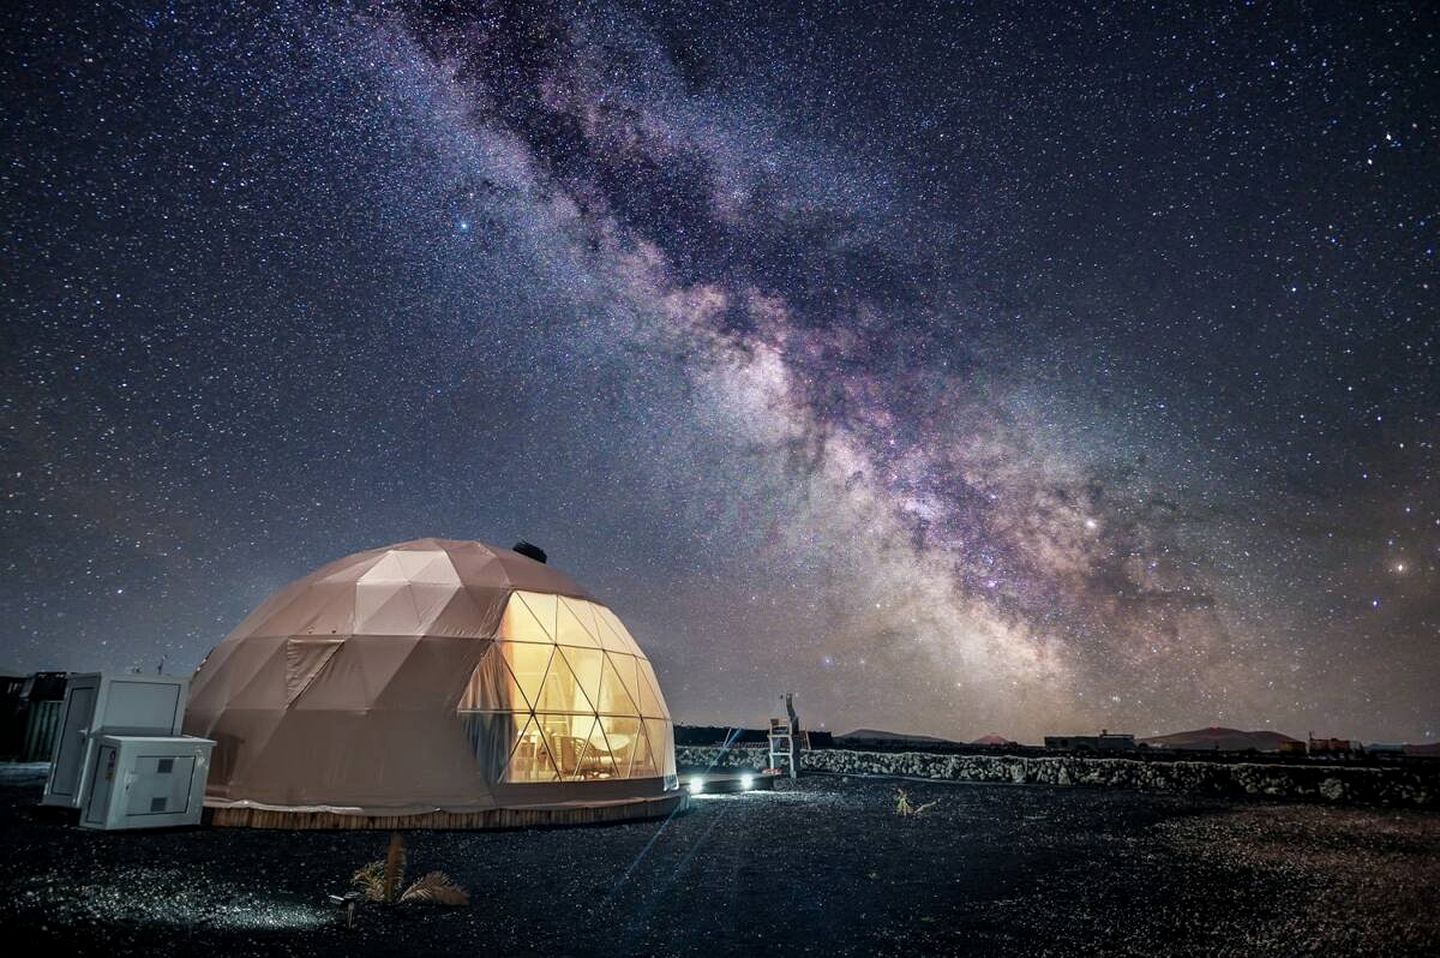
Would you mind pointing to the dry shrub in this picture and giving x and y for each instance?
(437, 889)
(905, 809)
(381, 881)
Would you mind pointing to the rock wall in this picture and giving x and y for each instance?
(1337, 784)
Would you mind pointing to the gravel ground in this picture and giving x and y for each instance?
(823, 867)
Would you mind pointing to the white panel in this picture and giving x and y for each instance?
(70, 745)
(141, 706)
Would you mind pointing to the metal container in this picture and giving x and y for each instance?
(144, 781)
(115, 704)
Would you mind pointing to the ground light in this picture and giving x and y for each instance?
(725, 781)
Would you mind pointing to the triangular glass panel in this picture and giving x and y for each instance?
(587, 665)
(571, 627)
(591, 746)
(652, 704)
(600, 760)
(493, 687)
(528, 663)
(567, 737)
(587, 613)
(561, 691)
(544, 608)
(492, 737)
(623, 736)
(614, 699)
(626, 666)
(609, 636)
(662, 744)
(519, 623)
(531, 760)
(631, 645)
(642, 762)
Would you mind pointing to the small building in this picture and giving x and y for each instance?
(1106, 741)
(434, 683)
(29, 715)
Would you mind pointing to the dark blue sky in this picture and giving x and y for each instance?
(964, 368)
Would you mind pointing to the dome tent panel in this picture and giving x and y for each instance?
(305, 657)
(586, 664)
(571, 627)
(266, 687)
(614, 698)
(652, 702)
(357, 673)
(435, 674)
(529, 663)
(520, 624)
(493, 687)
(561, 692)
(545, 609)
(492, 737)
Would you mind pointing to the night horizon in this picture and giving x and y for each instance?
(962, 370)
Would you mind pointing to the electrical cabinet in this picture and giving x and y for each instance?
(144, 781)
(117, 704)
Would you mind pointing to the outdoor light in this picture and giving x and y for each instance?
(747, 782)
(697, 785)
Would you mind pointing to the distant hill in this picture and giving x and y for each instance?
(1431, 750)
(1216, 738)
(992, 739)
(880, 735)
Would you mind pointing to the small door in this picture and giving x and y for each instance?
(107, 757)
(70, 744)
(159, 785)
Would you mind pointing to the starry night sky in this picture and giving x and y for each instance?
(964, 368)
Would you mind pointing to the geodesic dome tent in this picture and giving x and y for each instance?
(433, 677)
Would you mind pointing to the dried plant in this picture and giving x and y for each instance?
(381, 880)
(903, 807)
(394, 866)
(436, 888)
(371, 881)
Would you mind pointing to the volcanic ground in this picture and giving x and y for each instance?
(823, 866)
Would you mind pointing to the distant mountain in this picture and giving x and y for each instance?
(992, 739)
(880, 735)
(1217, 739)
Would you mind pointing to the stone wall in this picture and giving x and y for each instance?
(1338, 784)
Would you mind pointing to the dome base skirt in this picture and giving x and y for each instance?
(530, 816)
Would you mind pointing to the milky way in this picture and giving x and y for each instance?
(963, 370)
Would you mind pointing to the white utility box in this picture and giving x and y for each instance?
(117, 704)
(146, 781)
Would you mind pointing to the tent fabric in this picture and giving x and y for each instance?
(434, 674)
